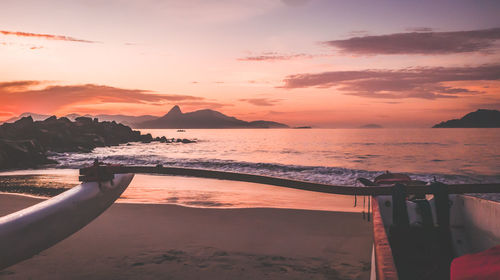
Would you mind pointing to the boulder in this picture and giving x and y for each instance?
(21, 153)
(24, 143)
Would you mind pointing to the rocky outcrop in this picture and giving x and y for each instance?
(123, 119)
(25, 142)
(21, 153)
(481, 118)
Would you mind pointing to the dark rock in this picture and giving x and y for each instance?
(21, 153)
(24, 143)
(83, 120)
(146, 138)
(64, 120)
(24, 121)
(51, 119)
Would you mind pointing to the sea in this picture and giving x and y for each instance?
(331, 156)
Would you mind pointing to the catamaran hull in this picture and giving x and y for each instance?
(34, 229)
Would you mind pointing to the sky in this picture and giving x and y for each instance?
(338, 64)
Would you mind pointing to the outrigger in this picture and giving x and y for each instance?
(418, 228)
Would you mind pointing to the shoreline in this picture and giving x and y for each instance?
(188, 191)
(121, 201)
(151, 241)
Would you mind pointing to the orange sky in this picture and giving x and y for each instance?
(319, 63)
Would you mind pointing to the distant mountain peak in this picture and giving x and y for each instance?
(176, 110)
(205, 118)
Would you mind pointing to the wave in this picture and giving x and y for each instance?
(316, 174)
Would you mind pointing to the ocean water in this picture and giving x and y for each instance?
(332, 156)
(336, 156)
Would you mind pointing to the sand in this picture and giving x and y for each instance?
(148, 241)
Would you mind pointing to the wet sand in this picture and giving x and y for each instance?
(153, 241)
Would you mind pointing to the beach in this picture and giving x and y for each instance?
(163, 241)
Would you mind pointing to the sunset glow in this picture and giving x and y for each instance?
(300, 62)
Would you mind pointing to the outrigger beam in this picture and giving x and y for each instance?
(281, 182)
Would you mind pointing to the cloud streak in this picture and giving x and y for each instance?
(274, 56)
(261, 101)
(45, 36)
(426, 43)
(17, 85)
(419, 82)
(18, 96)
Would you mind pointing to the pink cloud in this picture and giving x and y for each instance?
(45, 36)
(420, 82)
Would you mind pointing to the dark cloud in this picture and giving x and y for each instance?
(420, 82)
(18, 95)
(274, 56)
(45, 36)
(261, 101)
(428, 43)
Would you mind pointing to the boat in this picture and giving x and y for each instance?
(29, 231)
(181, 130)
(416, 235)
(434, 236)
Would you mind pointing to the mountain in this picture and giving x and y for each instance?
(123, 119)
(126, 120)
(207, 118)
(173, 119)
(480, 118)
(35, 117)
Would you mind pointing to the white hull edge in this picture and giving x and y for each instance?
(36, 228)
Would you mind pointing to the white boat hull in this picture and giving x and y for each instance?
(34, 229)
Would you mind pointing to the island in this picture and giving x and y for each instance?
(481, 118)
(371, 125)
(206, 118)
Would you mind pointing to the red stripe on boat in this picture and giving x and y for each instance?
(480, 266)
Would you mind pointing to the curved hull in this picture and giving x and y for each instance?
(34, 229)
